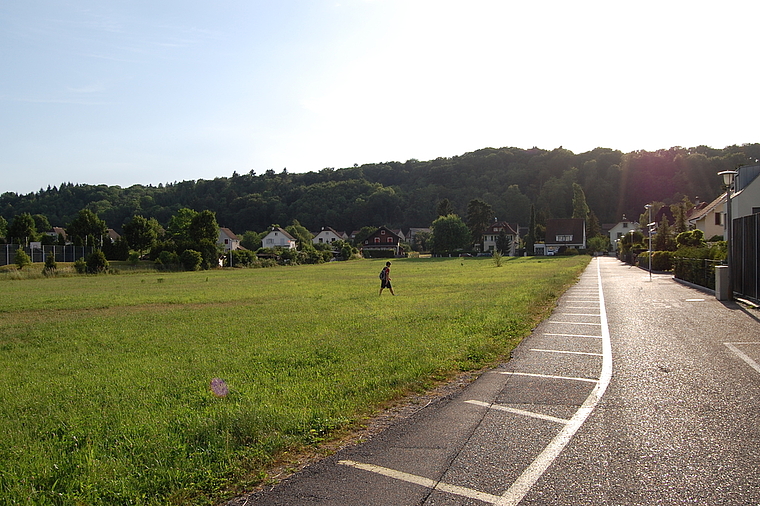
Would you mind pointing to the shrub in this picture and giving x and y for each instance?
(22, 259)
(50, 266)
(96, 262)
(168, 258)
(191, 260)
(80, 266)
(497, 258)
(134, 257)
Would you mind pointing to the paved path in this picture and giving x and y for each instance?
(635, 391)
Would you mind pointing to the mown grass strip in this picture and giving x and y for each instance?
(104, 382)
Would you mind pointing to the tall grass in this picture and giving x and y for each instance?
(104, 384)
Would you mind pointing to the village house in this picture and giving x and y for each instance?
(328, 235)
(227, 239)
(491, 237)
(562, 234)
(624, 226)
(384, 239)
(277, 237)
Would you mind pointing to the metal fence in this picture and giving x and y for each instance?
(699, 271)
(68, 253)
(745, 260)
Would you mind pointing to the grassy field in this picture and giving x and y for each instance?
(104, 384)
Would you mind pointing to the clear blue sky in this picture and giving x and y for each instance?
(148, 92)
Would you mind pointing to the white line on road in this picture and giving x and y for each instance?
(573, 335)
(739, 353)
(523, 412)
(547, 376)
(538, 467)
(568, 352)
(579, 314)
(574, 323)
(424, 482)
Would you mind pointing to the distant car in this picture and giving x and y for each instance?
(465, 255)
(485, 254)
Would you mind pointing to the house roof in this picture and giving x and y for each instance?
(228, 233)
(566, 226)
(283, 232)
(497, 227)
(706, 208)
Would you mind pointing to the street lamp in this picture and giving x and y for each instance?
(648, 207)
(728, 182)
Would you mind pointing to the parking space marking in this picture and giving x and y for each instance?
(424, 482)
(523, 412)
(576, 323)
(568, 352)
(739, 353)
(548, 376)
(538, 467)
(574, 335)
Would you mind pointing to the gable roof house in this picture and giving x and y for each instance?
(745, 201)
(491, 236)
(621, 228)
(384, 239)
(277, 237)
(227, 239)
(709, 217)
(329, 235)
(565, 233)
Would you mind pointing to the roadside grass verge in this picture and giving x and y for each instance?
(104, 382)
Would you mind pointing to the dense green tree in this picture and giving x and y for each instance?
(41, 223)
(140, 233)
(503, 243)
(86, 225)
(179, 224)
(530, 238)
(450, 233)
(252, 240)
(580, 207)
(3, 228)
(479, 217)
(663, 239)
(444, 208)
(203, 227)
(22, 230)
(300, 233)
(96, 262)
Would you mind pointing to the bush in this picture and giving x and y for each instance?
(168, 258)
(80, 266)
(134, 258)
(191, 260)
(96, 262)
(50, 265)
(22, 259)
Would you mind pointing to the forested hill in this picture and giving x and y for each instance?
(403, 195)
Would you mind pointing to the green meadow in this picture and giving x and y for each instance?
(105, 392)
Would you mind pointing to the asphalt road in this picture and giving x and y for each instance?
(636, 390)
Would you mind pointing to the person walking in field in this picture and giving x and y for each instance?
(385, 278)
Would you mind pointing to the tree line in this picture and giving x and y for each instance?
(406, 194)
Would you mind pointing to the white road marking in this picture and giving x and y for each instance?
(580, 314)
(523, 412)
(568, 352)
(739, 353)
(424, 482)
(538, 467)
(547, 376)
(573, 335)
(695, 300)
(574, 323)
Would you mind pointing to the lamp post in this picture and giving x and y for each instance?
(728, 182)
(648, 207)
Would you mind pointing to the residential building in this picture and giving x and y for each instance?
(277, 237)
(709, 217)
(329, 235)
(227, 239)
(562, 234)
(621, 228)
(383, 239)
(491, 236)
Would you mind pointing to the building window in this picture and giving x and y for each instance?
(625, 224)
(390, 239)
(717, 219)
(382, 232)
(377, 240)
(564, 238)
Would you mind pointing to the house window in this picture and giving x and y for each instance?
(564, 238)
(382, 232)
(625, 224)
(717, 219)
(270, 241)
(226, 241)
(390, 239)
(755, 210)
(377, 240)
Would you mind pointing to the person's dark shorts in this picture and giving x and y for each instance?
(385, 283)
